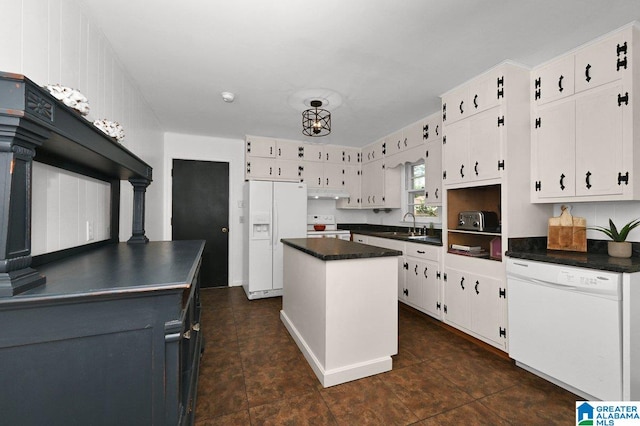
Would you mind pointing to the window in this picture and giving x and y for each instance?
(415, 181)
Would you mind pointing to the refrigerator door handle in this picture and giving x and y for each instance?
(274, 223)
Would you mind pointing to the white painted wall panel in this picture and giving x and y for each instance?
(108, 83)
(54, 44)
(54, 41)
(11, 20)
(68, 210)
(35, 38)
(70, 23)
(94, 41)
(52, 207)
(83, 78)
(598, 214)
(63, 203)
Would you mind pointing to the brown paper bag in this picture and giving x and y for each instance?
(567, 232)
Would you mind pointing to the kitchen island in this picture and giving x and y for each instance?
(340, 305)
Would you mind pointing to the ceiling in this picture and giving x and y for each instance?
(382, 64)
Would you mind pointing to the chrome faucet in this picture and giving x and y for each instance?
(413, 230)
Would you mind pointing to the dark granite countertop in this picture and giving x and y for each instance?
(596, 256)
(337, 249)
(393, 232)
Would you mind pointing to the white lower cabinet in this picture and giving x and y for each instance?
(418, 273)
(423, 286)
(476, 304)
(424, 269)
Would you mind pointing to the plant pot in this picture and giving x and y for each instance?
(619, 249)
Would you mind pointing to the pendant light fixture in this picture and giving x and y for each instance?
(316, 121)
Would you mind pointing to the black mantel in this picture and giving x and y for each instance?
(33, 124)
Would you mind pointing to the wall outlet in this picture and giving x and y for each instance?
(89, 231)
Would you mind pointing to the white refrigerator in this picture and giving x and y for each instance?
(273, 210)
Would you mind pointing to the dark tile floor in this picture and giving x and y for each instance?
(252, 373)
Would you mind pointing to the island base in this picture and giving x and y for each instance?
(340, 375)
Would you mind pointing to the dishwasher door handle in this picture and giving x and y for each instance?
(548, 284)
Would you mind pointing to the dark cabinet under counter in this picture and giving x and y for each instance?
(113, 338)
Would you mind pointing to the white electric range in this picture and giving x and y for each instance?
(331, 229)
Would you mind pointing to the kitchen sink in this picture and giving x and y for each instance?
(425, 238)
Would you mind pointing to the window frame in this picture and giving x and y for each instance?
(408, 206)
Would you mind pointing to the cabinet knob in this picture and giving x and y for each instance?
(225, 230)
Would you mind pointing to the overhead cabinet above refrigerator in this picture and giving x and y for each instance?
(273, 210)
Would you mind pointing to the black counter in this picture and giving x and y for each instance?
(337, 249)
(392, 232)
(596, 256)
(117, 269)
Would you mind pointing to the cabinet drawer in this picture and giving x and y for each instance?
(423, 251)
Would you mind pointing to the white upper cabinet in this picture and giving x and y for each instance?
(474, 97)
(351, 156)
(553, 81)
(455, 105)
(350, 183)
(602, 62)
(455, 157)
(429, 129)
(333, 153)
(485, 144)
(433, 170)
(552, 151)
(487, 92)
(314, 152)
(475, 143)
(473, 147)
(583, 142)
(599, 142)
(288, 150)
(395, 143)
(374, 151)
(260, 147)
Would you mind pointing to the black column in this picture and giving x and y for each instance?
(17, 149)
(139, 190)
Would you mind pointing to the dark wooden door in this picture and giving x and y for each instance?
(200, 211)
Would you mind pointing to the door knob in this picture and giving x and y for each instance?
(225, 230)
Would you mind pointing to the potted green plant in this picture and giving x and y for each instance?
(618, 246)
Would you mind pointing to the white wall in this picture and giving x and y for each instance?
(204, 148)
(53, 41)
(598, 214)
(63, 204)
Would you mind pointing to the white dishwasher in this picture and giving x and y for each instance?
(565, 325)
